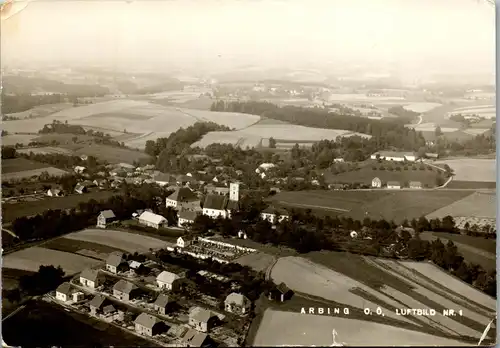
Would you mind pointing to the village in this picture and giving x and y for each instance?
(138, 294)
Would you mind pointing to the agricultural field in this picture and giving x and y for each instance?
(252, 135)
(41, 110)
(375, 204)
(12, 211)
(32, 258)
(483, 254)
(421, 107)
(34, 172)
(13, 139)
(129, 242)
(398, 173)
(486, 111)
(472, 169)
(112, 154)
(347, 280)
(73, 329)
(15, 165)
(89, 249)
(46, 150)
(478, 204)
(280, 328)
(258, 261)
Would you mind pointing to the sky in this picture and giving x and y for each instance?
(406, 35)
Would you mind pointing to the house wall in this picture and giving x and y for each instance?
(61, 297)
(143, 330)
(101, 221)
(203, 327)
(234, 308)
(111, 268)
(171, 203)
(87, 283)
(184, 221)
(268, 216)
(191, 205)
(376, 183)
(121, 295)
(161, 310)
(149, 223)
(393, 186)
(163, 285)
(214, 213)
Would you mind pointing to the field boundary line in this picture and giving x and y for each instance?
(314, 206)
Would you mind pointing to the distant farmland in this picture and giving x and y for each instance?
(19, 168)
(472, 169)
(375, 204)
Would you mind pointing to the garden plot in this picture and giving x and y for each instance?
(121, 240)
(294, 329)
(31, 259)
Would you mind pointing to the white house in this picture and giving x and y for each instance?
(185, 241)
(237, 304)
(168, 281)
(63, 292)
(264, 167)
(393, 185)
(105, 217)
(273, 214)
(54, 193)
(90, 278)
(79, 169)
(152, 220)
(415, 185)
(395, 156)
(186, 217)
(242, 235)
(338, 160)
(183, 198)
(376, 182)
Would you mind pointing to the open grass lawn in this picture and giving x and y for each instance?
(12, 211)
(49, 325)
(79, 247)
(112, 154)
(476, 250)
(455, 184)
(366, 174)
(15, 165)
(375, 204)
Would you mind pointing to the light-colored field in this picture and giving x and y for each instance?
(13, 139)
(34, 172)
(478, 204)
(120, 240)
(421, 107)
(252, 135)
(431, 127)
(472, 169)
(32, 258)
(41, 110)
(45, 150)
(361, 97)
(258, 261)
(112, 154)
(286, 328)
(476, 131)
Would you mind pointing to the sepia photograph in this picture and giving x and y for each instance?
(240, 173)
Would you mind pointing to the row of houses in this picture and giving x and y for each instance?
(377, 183)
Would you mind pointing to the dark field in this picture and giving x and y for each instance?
(12, 211)
(471, 185)
(42, 324)
(20, 164)
(375, 204)
(112, 154)
(74, 246)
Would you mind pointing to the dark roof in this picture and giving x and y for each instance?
(97, 301)
(108, 214)
(115, 259)
(201, 314)
(393, 183)
(90, 274)
(109, 309)
(232, 205)
(165, 178)
(194, 338)
(64, 288)
(124, 286)
(188, 215)
(146, 320)
(217, 202)
(282, 288)
(183, 194)
(161, 301)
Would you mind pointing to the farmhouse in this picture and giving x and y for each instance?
(115, 262)
(193, 338)
(90, 278)
(80, 188)
(105, 217)
(79, 169)
(217, 205)
(394, 156)
(376, 182)
(97, 304)
(185, 241)
(280, 293)
(163, 179)
(202, 319)
(393, 185)
(134, 266)
(162, 304)
(264, 167)
(152, 220)
(63, 292)
(274, 214)
(124, 290)
(168, 281)
(186, 217)
(183, 199)
(54, 193)
(237, 303)
(415, 185)
(148, 325)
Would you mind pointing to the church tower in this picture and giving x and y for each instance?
(234, 191)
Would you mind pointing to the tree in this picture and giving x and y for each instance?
(438, 132)
(272, 143)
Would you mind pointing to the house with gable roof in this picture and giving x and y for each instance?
(183, 198)
(237, 303)
(152, 220)
(202, 319)
(91, 278)
(168, 280)
(115, 262)
(105, 217)
(148, 325)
